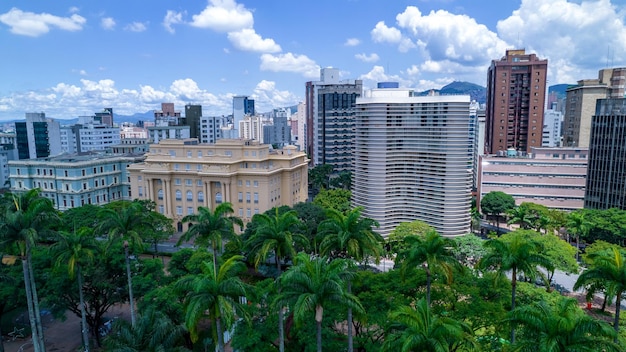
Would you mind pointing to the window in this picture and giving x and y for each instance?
(140, 191)
(199, 183)
(240, 212)
(200, 196)
(172, 152)
(189, 210)
(179, 210)
(177, 181)
(240, 197)
(247, 197)
(187, 167)
(255, 183)
(189, 153)
(199, 154)
(81, 170)
(96, 183)
(139, 178)
(218, 197)
(248, 213)
(256, 210)
(64, 172)
(188, 182)
(239, 183)
(176, 167)
(179, 195)
(84, 185)
(160, 194)
(247, 183)
(256, 198)
(199, 167)
(189, 196)
(161, 209)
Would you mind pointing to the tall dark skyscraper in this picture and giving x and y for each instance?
(330, 110)
(516, 87)
(606, 170)
(193, 113)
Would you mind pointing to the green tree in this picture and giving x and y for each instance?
(214, 295)
(417, 329)
(153, 332)
(432, 253)
(495, 204)
(513, 253)
(608, 268)
(563, 327)
(73, 249)
(521, 216)
(468, 249)
(578, 226)
(338, 199)
(395, 241)
(342, 180)
(319, 177)
(275, 235)
(351, 237)
(26, 217)
(313, 284)
(210, 228)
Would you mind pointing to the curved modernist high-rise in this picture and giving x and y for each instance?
(413, 160)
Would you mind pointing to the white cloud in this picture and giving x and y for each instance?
(413, 70)
(289, 62)
(575, 36)
(352, 42)
(383, 34)
(36, 24)
(172, 17)
(74, 9)
(136, 27)
(268, 97)
(248, 40)
(373, 57)
(377, 74)
(107, 23)
(223, 16)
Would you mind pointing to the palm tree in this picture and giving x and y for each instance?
(349, 236)
(431, 252)
(214, 295)
(73, 249)
(578, 225)
(415, 328)
(522, 216)
(26, 217)
(125, 223)
(313, 284)
(608, 268)
(563, 327)
(154, 332)
(512, 252)
(275, 235)
(210, 228)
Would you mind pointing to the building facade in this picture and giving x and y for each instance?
(210, 129)
(38, 136)
(74, 180)
(88, 135)
(330, 108)
(193, 115)
(8, 151)
(581, 100)
(162, 131)
(516, 90)
(606, 180)
(552, 122)
(413, 160)
(181, 175)
(242, 106)
(554, 177)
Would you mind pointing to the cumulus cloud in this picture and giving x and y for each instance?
(352, 42)
(136, 27)
(171, 18)
(223, 16)
(36, 24)
(383, 34)
(373, 57)
(248, 40)
(377, 74)
(573, 34)
(268, 97)
(107, 23)
(289, 62)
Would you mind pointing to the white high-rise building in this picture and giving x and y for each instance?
(552, 122)
(251, 127)
(413, 159)
(88, 135)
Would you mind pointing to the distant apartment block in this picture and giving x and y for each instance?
(516, 90)
(581, 100)
(130, 146)
(74, 180)
(242, 106)
(38, 136)
(210, 129)
(606, 180)
(552, 122)
(251, 127)
(554, 177)
(413, 159)
(131, 132)
(88, 134)
(278, 132)
(163, 131)
(330, 108)
(181, 175)
(8, 151)
(193, 114)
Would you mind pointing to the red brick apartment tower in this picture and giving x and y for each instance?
(516, 91)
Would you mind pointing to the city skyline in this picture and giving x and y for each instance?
(68, 60)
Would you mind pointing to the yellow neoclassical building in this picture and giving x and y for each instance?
(180, 175)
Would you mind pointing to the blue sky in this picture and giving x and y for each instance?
(71, 58)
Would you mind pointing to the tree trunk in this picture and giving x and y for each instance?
(350, 342)
(37, 311)
(427, 285)
(618, 305)
(513, 288)
(281, 327)
(319, 314)
(31, 310)
(604, 303)
(220, 334)
(83, 315)
(577, 247)
(130, 287)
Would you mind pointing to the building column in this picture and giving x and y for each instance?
(149, 190)
(167, 197)
(207, 194)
